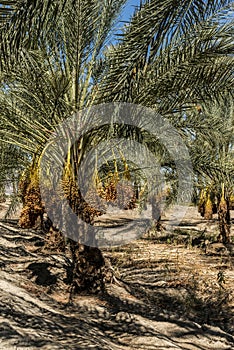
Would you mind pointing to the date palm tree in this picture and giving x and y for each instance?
(212, 153)
(48, 58)
(12, 162)
(174, 58)
(55, 61)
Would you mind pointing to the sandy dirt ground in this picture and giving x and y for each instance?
(171, 293)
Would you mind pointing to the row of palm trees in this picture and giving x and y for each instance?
(59, 57)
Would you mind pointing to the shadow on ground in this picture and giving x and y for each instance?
(141, 312)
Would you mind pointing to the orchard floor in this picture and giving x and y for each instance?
(175, 291)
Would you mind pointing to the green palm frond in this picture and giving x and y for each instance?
(53, 77)
(163, 62)
(212, 152)
(7, 9)
(31, 24)
(171, 55)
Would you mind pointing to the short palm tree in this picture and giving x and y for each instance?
(212, 153)
(175, 57)
(48, 59)
(55, 61)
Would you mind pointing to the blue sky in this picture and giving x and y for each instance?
(129, 9)
(126, 13)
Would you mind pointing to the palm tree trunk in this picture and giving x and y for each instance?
(89, 266)
(2, 194)
(156, 212)
(224, 220)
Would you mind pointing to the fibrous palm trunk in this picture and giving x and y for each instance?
(89, 265)
(224, 220)
(2, 194)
